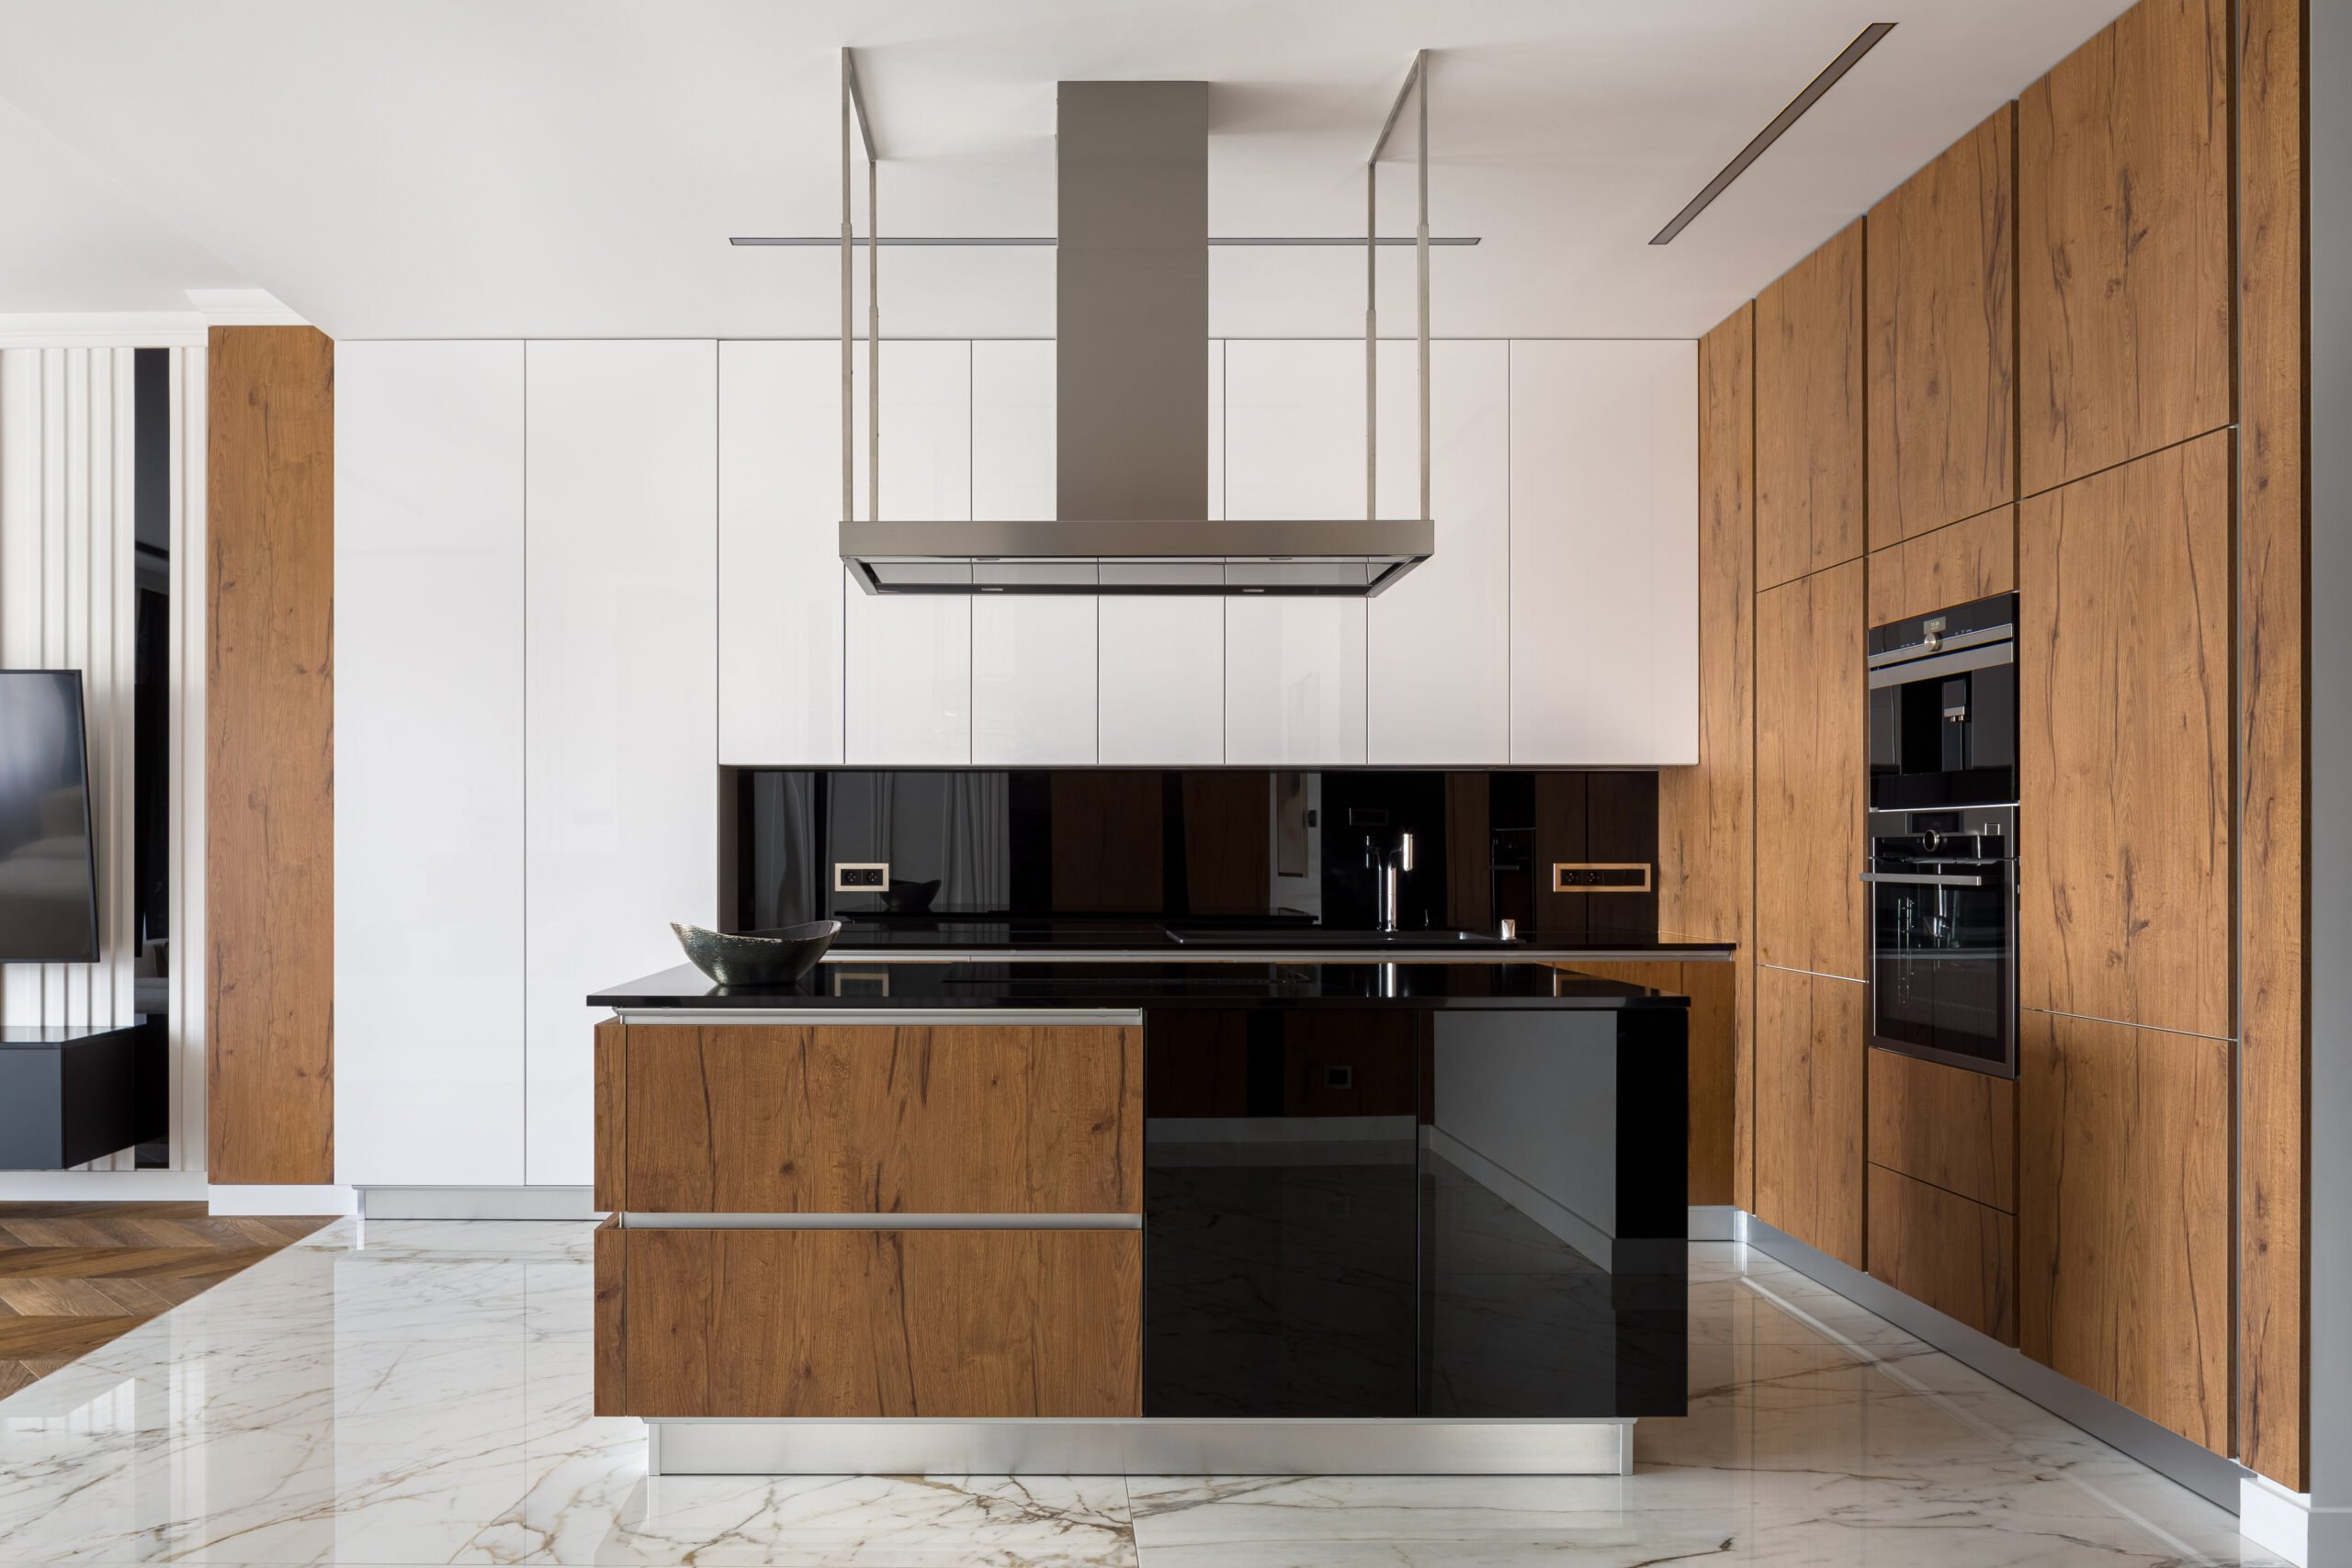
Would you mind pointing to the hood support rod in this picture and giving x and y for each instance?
(853, 107)
(1417, 80)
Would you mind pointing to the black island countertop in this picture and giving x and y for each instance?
(964, 937)
(882, 985)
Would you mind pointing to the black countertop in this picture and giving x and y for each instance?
(955, 937)
(1032, 986)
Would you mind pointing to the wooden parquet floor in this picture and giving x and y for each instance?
(73, 1276)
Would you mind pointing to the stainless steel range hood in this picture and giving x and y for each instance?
(1132, 424)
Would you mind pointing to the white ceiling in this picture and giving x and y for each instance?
(412, 168)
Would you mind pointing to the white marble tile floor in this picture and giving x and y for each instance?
(424, 1399)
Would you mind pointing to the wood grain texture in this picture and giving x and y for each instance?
(1941, 263)
(610, 1194)
(269, 749)
(2123, 236)
(2123, 1216)
(1712, 987)
(796, 1323)
(1810, 1035)
(1809, 768)
(611, 1372)
(2124, 742)
(871, 1119)
(1949, 566)
(1809, 413)
(1706, 813)
(1106, 829)
(1948, 1127)
(1958, 1255)
(2274, 716)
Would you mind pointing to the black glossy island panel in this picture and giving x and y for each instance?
(1432, 1192)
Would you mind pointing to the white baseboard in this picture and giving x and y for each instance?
(241, 1199)
(102, 1187)
(2276, 1519)
(477, 1202)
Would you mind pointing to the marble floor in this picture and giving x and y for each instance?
(424, 1399)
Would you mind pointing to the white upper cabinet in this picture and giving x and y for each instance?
(1162, 662)
(1293, 447)
(620, 610)
(1604, 530)
(1439, 642)
(1033, 655)
(909, 698)
(428, 740)
(780, 581)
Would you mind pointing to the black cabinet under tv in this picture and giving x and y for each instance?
(72, 1093)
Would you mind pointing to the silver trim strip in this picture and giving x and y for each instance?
(1968, 658)
(715, 1018)
(642, 1220)
(1143, 1446)
(1922, 879)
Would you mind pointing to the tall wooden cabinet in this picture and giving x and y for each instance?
(1809, 413)
(1810, 1030)
(1809, 770)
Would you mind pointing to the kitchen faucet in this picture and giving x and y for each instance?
(1388, 866)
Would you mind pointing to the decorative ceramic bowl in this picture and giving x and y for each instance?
(757, 958)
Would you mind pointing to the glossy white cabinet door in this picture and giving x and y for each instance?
(1161, 660)
(780, 582)
(1293, 447)
(1439, 642)
(623, 680)
(428, 799)
(1033, 656)
(1604, 530)
(910, 655)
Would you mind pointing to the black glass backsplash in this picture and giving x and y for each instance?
(1226, 846)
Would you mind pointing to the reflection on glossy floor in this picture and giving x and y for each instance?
(424, 1399)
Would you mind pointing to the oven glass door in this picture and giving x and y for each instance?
(1943, 731)
(1943, 950)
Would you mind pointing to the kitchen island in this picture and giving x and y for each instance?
(1142, 1217)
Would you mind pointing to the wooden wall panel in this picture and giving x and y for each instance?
(1809, 413)
(2124, 1216)
(930, 1323)
(1942, 258)
(270, 755)
(1951, 566)
(1810, 1032)
(1954, 1128)
(1809, 768)
(2124, 742)
(2274, 715)
(1957, 1256)
(2123, 236)
(1706, 813)
(871, 1119)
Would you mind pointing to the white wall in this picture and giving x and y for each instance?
(625, 553)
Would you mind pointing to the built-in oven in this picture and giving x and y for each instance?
(1943, 920)
(1943, 708)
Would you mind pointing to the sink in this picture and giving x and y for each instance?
(1312, 939)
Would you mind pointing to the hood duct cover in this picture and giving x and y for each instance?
(1132, 464)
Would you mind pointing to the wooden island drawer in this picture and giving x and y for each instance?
(796, 1323)
(857, 1119)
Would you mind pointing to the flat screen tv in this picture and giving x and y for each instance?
(49, 888)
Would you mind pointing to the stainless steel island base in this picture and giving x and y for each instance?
(1143, 1445)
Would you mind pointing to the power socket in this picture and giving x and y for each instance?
(859, 877)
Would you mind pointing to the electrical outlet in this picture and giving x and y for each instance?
(852, 877)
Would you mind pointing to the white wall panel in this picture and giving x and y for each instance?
(622, 687)
(1438, 644)
(780, 582)
(68, 600)
(1604, 529)
(1293, 447)
(1033, 656)
(429, 765)
(909, 689)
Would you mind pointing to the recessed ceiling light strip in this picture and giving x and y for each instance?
(1048, 242)
(1863, 43)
